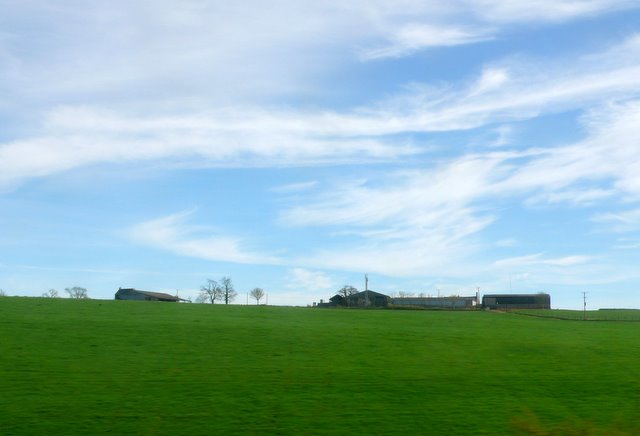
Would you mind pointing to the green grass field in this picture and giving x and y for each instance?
(95, 367)
(589, 315)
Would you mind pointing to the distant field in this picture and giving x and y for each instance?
(94, 367)
(590, 315)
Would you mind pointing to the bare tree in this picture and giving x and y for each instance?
(228, 292)
(51, 293)
(257, 293)
(210, 292)
(2, 293)
(404, 294)
(347, 290)
(77, 292)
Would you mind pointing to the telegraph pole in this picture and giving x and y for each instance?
(584, 309)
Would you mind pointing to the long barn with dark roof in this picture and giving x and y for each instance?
(517, 301)
(137, 295)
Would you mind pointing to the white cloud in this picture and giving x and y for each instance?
(295, 187)
(410, 26)
(491, 79)
(413, 37)
(170, 233)
(624, 221)
(515, 11)
(539, 259)
(567, 260)
(627, 244)
(509, 242)
(222, 52)
(76, 136)
(610, 153)
(431, 219)
(582, 197)
(309, 281)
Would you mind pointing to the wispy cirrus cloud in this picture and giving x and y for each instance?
(295, 187)
(75, 136)
(417, 26)
(432, 219)
(540, 259)
(172, 233)
(414, 37)
(623, 221)
(549, 11)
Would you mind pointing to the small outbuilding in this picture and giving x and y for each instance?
(137, 295)
(516, 301)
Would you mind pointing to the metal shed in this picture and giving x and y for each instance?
(517, 301)
(137, 295)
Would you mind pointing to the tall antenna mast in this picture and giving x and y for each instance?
(584, 302)
(366, 289)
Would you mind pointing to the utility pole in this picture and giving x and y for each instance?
(584, 310)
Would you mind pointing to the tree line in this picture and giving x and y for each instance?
(73, 292)
(222, 291)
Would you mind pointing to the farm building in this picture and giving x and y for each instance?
(360, 299)
(134, 294)
(436, 302)
(517, 301)
(368, 299)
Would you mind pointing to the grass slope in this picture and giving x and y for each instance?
(589, 315)
(91, 367)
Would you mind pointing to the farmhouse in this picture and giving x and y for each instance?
(134, 294)
(453, 302)
(517, 301)
(366, 298)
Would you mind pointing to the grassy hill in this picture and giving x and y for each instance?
(589, 315)
(122, 367)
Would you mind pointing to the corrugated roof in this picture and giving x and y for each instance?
(158, 295)
(368, 293)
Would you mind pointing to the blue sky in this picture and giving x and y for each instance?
(298, 145)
